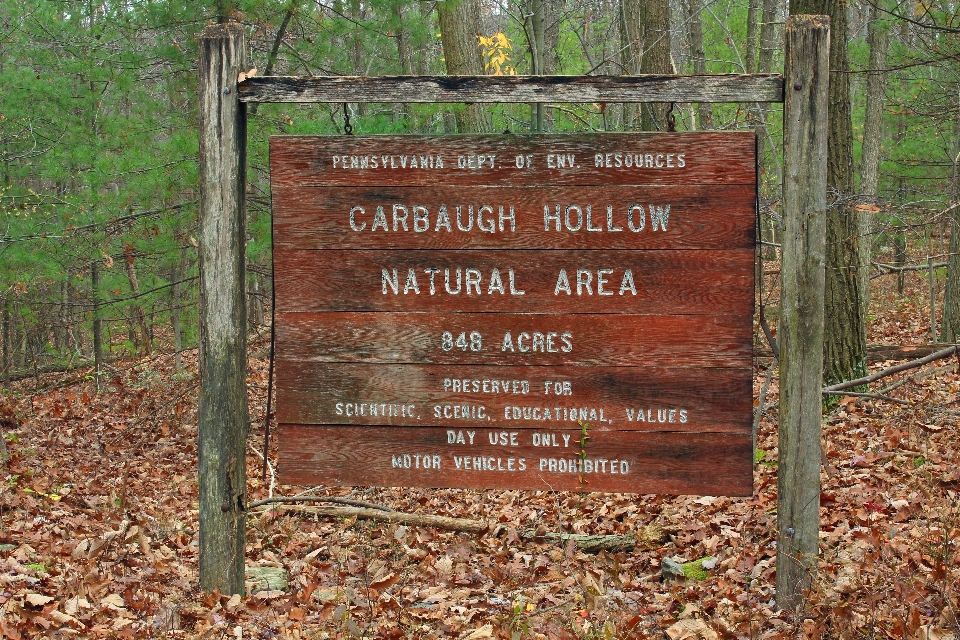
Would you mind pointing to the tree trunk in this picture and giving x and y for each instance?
(404, 58)
(951, 295)
(536, 44)
(879, 39)
(139, 317)
(845, 346)
(900, 255)
(223, 418)
(655, 26)
(704, 109)
(801, 330)
(750, 60)
(647, 28)
(7, 360)
(178, 272)
(97, 326)
(459, 28)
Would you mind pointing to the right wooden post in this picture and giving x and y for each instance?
(806, 80)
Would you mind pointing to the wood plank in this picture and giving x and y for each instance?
(700, 217)
(610, 398)
(657, 462)
(577, 339)
(493, 89)
(335, 161)
(658, 283)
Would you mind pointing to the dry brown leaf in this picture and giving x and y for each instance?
(929, 632)
(691, 629)
(386, 581)
(74, 604)
(482, 633)
(38, 599)
(62, 619)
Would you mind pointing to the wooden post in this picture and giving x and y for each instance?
(806, 80)
(97, 324)
(223, 414)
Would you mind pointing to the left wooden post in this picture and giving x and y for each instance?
(223, 415)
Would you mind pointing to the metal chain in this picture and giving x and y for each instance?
(347, 127)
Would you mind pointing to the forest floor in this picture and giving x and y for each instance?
(98, 525)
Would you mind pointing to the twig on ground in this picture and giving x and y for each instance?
(915, 378)
(332, 499)
(875, 396)
(889, 371)
(650, 537)
(398, 517)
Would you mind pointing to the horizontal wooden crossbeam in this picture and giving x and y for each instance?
(523, 89)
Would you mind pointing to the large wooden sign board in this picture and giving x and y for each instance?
(526, 312)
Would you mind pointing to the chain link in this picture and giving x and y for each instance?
(347, 127)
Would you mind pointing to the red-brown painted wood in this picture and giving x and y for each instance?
(708, 158)
(701, 217)
(627, 398)
(658, 283)
(658, 462)
(594, 339)
(367, 355)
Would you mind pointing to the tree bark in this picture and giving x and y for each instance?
(459, 28)
(750, 60)
(801, 328)
(704, 109)
(951, 297)
(536, 44)
(223, 415)
(647, 25)
(138, 314)
(878, 38)
(846, 339)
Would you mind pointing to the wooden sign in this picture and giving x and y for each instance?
(522, 312)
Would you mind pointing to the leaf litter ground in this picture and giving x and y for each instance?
(99, 531)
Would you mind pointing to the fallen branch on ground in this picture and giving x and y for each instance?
(880, 352)
(889, 371)
(333, 499)
(917, 377)
(892, 268)
(398, 517)
(650, 537)
(875, 396)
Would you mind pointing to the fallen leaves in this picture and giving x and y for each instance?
(83, 566)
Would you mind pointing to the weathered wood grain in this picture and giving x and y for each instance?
(223, 417)
(700, 217)
(595, 339)
(630, 398)
(708, 158)
(658, 462)
(665, 282)
(802, 304)
(536, 89)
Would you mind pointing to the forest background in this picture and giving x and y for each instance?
(99, 147)
(99, 274)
